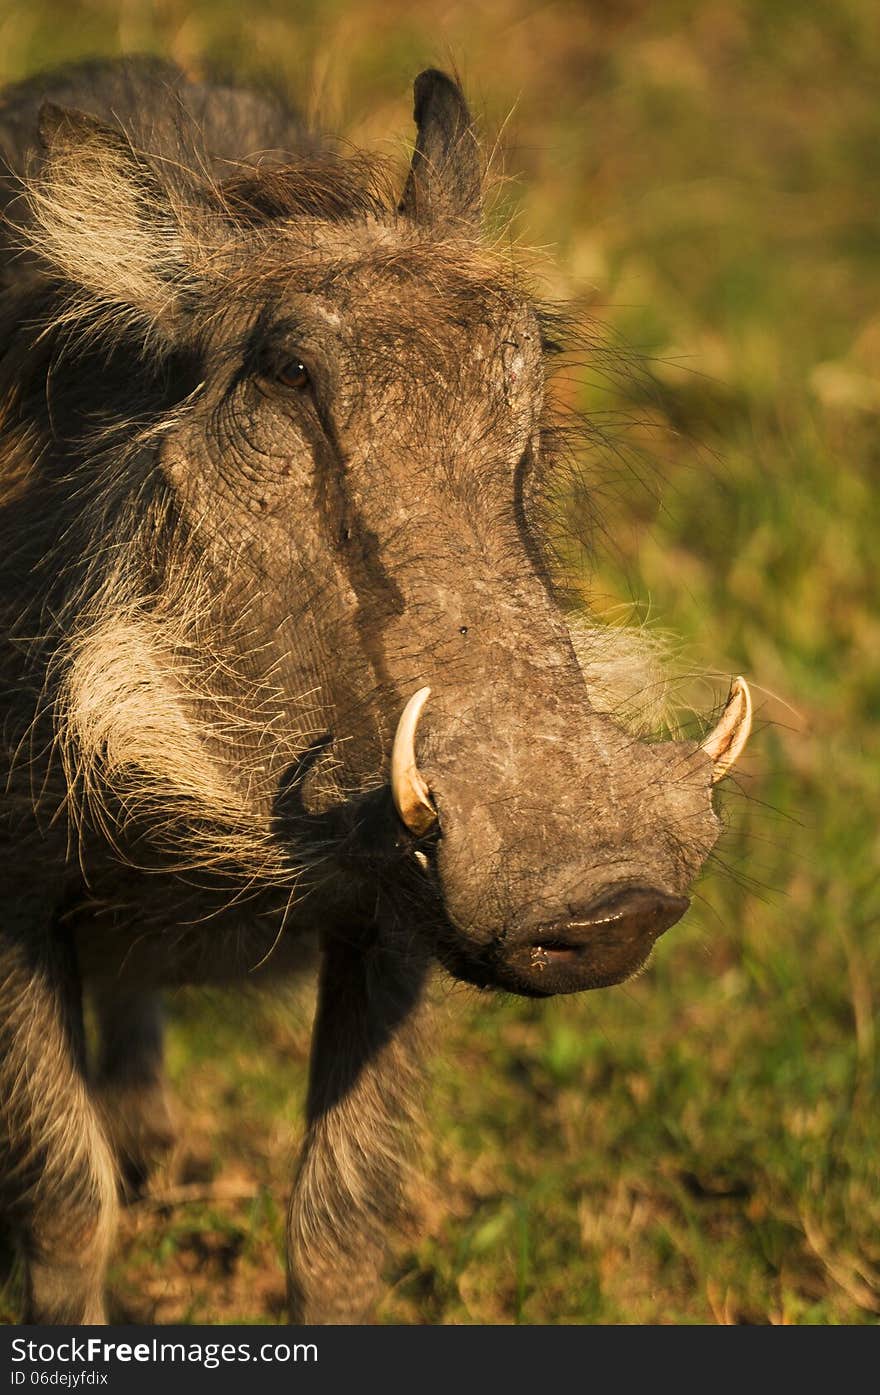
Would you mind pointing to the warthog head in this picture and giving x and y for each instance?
(316, 412)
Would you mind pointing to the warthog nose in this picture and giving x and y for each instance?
(640, 913)
(603, 942)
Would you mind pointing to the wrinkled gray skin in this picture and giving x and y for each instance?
(294, 551)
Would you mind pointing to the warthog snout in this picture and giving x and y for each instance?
(595, 945)
(561, 850)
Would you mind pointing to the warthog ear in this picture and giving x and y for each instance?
(445, 177)
(104, 221)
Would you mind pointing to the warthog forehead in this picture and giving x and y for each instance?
(345, 258)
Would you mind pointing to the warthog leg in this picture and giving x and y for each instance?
(350, 1189)
(59, 1179)
(129, 1080)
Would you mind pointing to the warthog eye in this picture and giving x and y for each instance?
(294, 374)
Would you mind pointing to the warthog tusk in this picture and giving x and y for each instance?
(725, 744)
(408, 790)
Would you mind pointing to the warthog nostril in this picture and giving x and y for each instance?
(604, 941)
(623, 915)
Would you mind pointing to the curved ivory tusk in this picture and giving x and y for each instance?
(408, 789)
(725, 744)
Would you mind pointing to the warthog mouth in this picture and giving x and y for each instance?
(601, 944)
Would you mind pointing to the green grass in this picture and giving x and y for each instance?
(699, 1146)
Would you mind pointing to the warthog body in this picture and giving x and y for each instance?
(272, 442)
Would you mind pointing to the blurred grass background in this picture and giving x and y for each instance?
(702, 1145)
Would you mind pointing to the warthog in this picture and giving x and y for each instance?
(286, 680)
